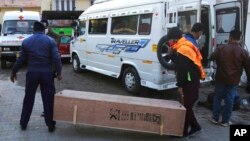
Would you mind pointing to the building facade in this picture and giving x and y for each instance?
(41, 5)
(66, 5)
(15, 5)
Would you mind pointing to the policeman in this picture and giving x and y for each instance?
(41, 53)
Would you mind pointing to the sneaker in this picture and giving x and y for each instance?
(42, 114)
(195, 131)
(214, 121)
(226, 124)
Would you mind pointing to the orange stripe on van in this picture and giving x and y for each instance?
(147, 62)
(111, 55)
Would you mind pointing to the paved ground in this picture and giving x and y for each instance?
(11, 104)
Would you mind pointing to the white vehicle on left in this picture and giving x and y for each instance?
(16, 26)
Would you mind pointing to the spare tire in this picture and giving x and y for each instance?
(165, 58)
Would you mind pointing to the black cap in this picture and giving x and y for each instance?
(235, 34)
(174, 33)
(197, 27)
(38, 26)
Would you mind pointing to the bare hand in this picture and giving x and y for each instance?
(13, 78)
(181, 97)
(180, 90)
(59, 77)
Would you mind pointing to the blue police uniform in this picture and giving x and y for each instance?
(41, 53)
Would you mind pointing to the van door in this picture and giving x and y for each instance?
(228, 16)
(172, 15)
(79, 42)
(97, 42)
(174, 8)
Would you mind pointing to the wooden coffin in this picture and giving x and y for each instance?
(121, 112)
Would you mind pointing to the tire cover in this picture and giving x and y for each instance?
(162, 48)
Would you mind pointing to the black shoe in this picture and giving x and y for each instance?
(194, 131)
(51, 129)
(42, 114)
(23, 127)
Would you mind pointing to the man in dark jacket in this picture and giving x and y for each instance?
(230, 60)
(189, 71)
(41, 53)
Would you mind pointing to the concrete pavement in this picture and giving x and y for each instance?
(10, 110)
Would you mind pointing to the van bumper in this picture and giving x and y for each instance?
(10, 55)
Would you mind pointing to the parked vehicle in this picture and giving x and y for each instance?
(121, 38)
(61, 29)
(64, 46)
(16, 26)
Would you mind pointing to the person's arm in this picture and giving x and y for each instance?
(246, 65)
(56, 59)
(18, 63)
(215, 54)
(182, 66)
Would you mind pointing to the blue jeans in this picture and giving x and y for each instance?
(228, 93)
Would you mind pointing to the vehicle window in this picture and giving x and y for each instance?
(82, 27)
(65, 40)
(186, 20)
(227, 19)
(60, 23)
(145, 24)
(98, 26)
(124, 25)
(18, 27)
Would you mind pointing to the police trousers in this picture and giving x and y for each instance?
(46, 82)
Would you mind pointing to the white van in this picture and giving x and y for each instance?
(119, 38)
(16, 26)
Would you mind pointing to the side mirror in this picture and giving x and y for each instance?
(0, 28)
(74, 24)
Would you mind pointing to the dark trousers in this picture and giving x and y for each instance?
(47, 86)
(191, 94)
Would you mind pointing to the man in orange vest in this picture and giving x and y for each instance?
(189, 71)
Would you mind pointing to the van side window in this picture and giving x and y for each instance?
(98, 26)
(227, 20)
(124, 25)
(186, 20)
(145, 24)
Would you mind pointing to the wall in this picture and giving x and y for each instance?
(82, 4)
(14, 5)
(46, 5)
(36, 5)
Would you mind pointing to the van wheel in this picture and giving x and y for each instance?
(3, 64)
(76, 64)
(165, 58)
(131, 80)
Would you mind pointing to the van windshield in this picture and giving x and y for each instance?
(18, 27)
